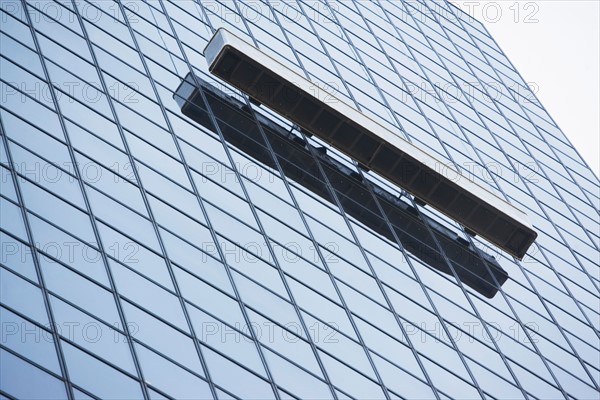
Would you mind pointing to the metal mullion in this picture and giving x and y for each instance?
(209, 345)
(434, 308)
(102, 69)
(91, 354)
(227, 392)
(322, 202)
(334, 197)
(29, 361)
(326, 324)
(62, 171)
(560, 291)
(558, 275)
(529, 281)
(59, 295)
(354, 235)
(498, 350)
(286, 225)
(116, 200)
(82, 19)
(224, 235)
(596, 198)
(9, 84)
(168, 358)
(337, 72)
(156, 316)
(439, 247)
(161, 393)
(558, 199)
(202, 206)
(53, 137)
(269, 347)
(7, 57)
(76, 124)
(515, 384)
(396, 363)
(330, 327)
(52, 88)
(287, 185)
(426, 79)
(538, 104)
(127, 45)
(174, 4)
(146, 202)
(53, 41)
(437, 362)
(5, 13)
(108, 94)
(305, 259)
(36, 6)
(120, 129)
(449, 263)
(78, 307)
(52, 193)
(546, 318)
(57, 227)
(470, 313)
(353, 221)
(572, 374)
(511, 359)
(83, 241)
(42, 286)
(525, 113)
(90, 213)
(18, 313)
(504, 154)
(158, 172)
(99, 358)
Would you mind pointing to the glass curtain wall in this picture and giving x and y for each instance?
(146, 256)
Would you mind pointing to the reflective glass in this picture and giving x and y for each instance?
(220, 250)
(22, 380)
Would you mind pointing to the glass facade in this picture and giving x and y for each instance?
(146, 254)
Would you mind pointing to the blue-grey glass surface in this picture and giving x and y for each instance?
(143, 256)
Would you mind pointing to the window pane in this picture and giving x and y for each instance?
(79, 290)
(29, 340)
(170, 378)
(22, 296)
(234, 378)
(93, 375)
(17, 256)
(24, 381)
(93, 335)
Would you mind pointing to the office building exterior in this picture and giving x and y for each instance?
(165, 236)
